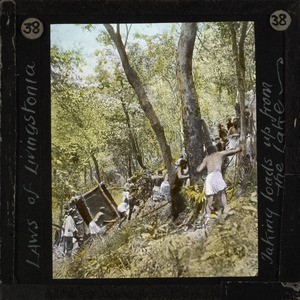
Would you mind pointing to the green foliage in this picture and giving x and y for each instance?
(149, 247)
(214, 70)
(87, 114)
(194, 193)
(96, 119)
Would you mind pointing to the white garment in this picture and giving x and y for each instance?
(69, 226)
(94, 228)
(125, 195)
(214, 183)
(165, 188)
(123, 207)
(98, 216)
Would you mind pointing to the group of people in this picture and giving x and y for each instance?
(69, 230)
(214, 183)
(73, 230)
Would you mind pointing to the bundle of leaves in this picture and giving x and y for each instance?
(141, 188)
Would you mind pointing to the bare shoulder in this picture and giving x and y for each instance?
(218, 154)
(230, 152)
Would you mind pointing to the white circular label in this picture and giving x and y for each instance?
(32, 28)
(280, 20)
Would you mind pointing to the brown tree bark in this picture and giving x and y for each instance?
(206, 134)
(191, 116)
(96, 165)
(240, 68)
(129, 166)
(133, 141)
(141, 94)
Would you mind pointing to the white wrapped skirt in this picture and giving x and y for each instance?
(214, 183)
(123, 207)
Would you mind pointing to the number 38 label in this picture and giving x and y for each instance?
(32, 28)
(280, 20)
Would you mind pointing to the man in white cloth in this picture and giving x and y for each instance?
(123, 207)
(214, 183)
(165, 187)
(69, 229)
(93, 226)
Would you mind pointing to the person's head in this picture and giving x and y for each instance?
(69, 212)
(235, 121)
(219, 146)
(102, 184)
(183, 163)
(211, 149)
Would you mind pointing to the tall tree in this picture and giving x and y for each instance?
(191, 115)
(240, 67)
(133, 141)
(135, 81)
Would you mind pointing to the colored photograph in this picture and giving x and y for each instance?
(153, 146)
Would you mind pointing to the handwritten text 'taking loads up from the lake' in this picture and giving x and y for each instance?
(271, 192)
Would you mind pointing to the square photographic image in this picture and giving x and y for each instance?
(154, 150)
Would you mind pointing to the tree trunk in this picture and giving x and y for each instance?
(129, 166)
(91, 173)
(240, 67)
(239, 58)
(133, 140)
(84, 175)
(96, 165)
(191, 116)
(206, 134)
(140, 92)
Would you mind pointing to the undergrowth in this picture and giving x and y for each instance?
(153, 247)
